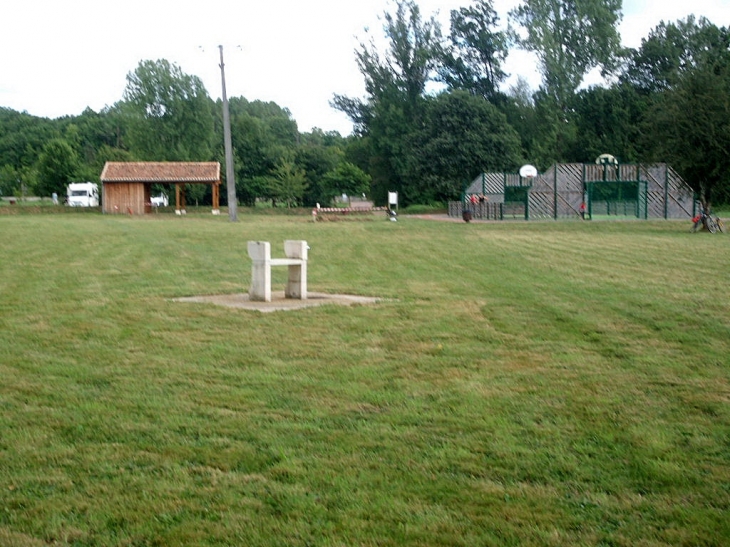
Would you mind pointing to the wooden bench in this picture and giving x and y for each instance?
(296, 261)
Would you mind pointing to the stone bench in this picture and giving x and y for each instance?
(296, 260)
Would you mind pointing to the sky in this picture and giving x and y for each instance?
(59, 57)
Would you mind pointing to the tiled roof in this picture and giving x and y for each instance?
(161, 172)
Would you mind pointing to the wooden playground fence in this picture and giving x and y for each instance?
(482, 211)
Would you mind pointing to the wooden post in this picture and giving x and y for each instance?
(182, 199)
(216, 198)
(179, 199)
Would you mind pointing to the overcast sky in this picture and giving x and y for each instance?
(59, 57)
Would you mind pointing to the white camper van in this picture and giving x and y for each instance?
(82, 194)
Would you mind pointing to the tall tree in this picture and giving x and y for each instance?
(346, 178)
(414, 45)
(476, 51)
(57, 166)
(401, 74)
(395, 83)
(464, 135)
(169, 113)
(287, 183)
(674, 48)
(607, 120)
(691, 124)
(263, 135)
(570, 37)
(317, 160)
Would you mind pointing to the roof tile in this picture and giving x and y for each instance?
(161, 172)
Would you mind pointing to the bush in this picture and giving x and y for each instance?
(424, 209)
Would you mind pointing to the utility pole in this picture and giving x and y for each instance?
(230, 177)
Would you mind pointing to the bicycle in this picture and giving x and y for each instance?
(707, 221)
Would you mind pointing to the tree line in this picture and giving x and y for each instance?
(435, 112)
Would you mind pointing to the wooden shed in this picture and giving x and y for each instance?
(126, 186)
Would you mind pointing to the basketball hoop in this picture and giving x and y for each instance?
(528, 171)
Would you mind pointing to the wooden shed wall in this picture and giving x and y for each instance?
(126, 197)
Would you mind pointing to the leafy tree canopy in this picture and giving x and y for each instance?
(57, 166)
(400, 74)
(287, 183)
(464, 135)
(346, 178)
(570, 37)
(169, 113)
(674, 48)
(473, 59)
(691, 123)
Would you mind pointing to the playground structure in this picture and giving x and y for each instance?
(606, 189)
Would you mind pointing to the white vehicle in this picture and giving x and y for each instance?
(159, 201)
(82, 194)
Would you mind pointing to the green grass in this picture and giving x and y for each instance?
(522, 384)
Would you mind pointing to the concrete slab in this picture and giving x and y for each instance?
(278, 301)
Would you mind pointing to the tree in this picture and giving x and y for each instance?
(402, 73)
(346, 178)
(317, 160)
(674, 48)
(413, 53)
(607, 120)
(287, 183)
(22, 137)
(9, 180)
(263, 135)
(57, 166)
(473, 59)
(570, 37)
(169, 113)
(691, 124)
(463, 136)
(395, 84)
(91, 131)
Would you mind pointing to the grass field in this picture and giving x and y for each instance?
(542, 383)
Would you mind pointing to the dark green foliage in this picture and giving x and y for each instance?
(473, 59)
(411, 59)
(346, 178)
(317, 160)
(287, 183)
(463, 135)
(681, 73)
(692, 123)
(426, 147)
(168, 114)
(22, 137)
(673, 48)
(58, 165)
(607, 119)
(570, 37)
(263, 135)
